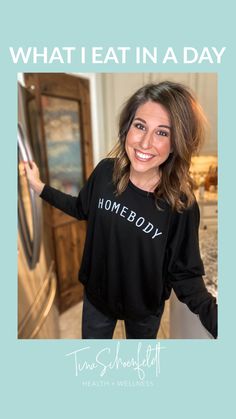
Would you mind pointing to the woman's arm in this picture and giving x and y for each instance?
(185, 269)
(77, 207)
(71, 205)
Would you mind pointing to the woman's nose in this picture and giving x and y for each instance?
(146, 140)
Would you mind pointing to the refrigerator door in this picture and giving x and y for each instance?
(31, 242)
(38, 316)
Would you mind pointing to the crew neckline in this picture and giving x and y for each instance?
(139, 190)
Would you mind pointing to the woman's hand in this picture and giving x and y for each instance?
(33, 176)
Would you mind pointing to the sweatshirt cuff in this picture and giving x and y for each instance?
(43, 193)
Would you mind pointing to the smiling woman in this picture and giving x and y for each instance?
(166, 124)
(144, 242)
(148, 144)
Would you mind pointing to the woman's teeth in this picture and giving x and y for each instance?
(143, 156)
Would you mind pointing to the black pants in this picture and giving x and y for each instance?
(96, 325)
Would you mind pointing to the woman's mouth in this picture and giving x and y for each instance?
(143, 156)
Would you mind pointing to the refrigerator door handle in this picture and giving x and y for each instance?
(31, 246)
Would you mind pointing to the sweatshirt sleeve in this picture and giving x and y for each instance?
(77, 207)
(185, 268)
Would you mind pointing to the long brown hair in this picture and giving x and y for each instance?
(187, 134)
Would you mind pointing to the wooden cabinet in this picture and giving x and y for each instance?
(61, 128)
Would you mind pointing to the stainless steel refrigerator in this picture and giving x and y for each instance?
(38, 316)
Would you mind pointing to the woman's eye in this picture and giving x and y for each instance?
(163, 133)
(139, 126)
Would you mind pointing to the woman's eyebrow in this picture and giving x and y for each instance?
(143, 120)
(140, 119)
(165, 126)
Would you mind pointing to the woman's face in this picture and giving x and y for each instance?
(148, 141)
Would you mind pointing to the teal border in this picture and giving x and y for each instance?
(195, 375)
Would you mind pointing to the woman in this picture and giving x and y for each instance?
(143, 219)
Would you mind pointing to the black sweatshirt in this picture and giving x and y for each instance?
(135, 254)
